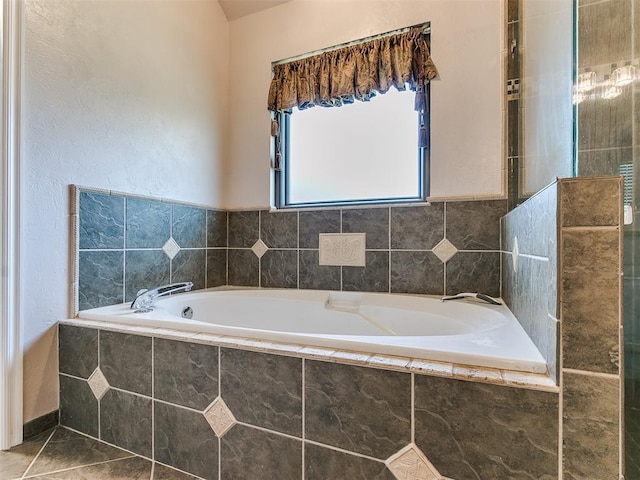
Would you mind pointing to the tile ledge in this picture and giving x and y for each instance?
(418, 366)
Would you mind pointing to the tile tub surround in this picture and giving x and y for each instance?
(569, 280)
(221, 412)
(125, 242)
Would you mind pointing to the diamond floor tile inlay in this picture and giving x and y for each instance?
(98, 383)
(445, 250)
(171, 248)
(259, 248)
(219, 417)
(411, 464)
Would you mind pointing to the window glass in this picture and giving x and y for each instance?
(365, 151)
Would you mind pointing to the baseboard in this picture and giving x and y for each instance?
(41, 424)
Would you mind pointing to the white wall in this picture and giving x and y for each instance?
(129, 96)
(547, 114)
(466, 99)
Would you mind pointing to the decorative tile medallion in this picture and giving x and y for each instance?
(346, 249)
(259, 248)
(219, 417)
(171, 248)
(98, 383)
(445, 250)
(411, 464)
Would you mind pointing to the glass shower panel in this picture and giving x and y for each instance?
(607, 99)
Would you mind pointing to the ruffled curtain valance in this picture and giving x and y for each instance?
(356, 72)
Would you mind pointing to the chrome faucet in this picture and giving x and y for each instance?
(145, 298)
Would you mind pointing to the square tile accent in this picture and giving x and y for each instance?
(444, 250)
(171, 248)
(411, 464)
(259, 248)
(98, 383)
(219, 417)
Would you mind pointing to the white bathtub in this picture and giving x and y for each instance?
(462, 331)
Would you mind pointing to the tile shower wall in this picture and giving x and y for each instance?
(126, 243)
(583, 294)
(226, 413)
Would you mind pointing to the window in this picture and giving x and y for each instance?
(364, 152)
(371, 144)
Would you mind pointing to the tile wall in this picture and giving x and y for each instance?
(126, 243)
(575, 297)
(220, 412)
(609, 143)
(530, 270)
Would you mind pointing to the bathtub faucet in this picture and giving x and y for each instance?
(144, 298)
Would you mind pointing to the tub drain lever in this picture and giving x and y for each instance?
(479, 296)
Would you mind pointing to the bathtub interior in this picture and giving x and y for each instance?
(467, 332)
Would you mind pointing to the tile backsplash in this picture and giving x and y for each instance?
(124, 243)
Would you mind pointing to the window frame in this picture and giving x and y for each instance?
(281, 179)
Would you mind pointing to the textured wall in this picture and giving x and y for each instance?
(466, 100)
(132, 98)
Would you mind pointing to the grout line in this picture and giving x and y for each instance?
(587, 373)
(133, 454)
(38, 454)
(266, 430)
(341, 450)
(413, 407)
(177, 469)
(70, 469)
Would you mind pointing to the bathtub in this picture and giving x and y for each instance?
(422, 327)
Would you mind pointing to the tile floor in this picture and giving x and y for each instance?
(62, 454)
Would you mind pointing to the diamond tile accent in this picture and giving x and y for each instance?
(171, 248)
(219, 417)
(445, 250)
(259, 248)
(411, 464)
(98, 383)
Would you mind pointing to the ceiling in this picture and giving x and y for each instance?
(234, 9)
